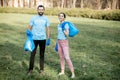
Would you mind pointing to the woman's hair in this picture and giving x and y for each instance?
(41, 6)
(63, 14)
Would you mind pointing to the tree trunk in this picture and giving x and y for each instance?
(58, 4)
(23, 3)
(109, 4)
(18, 3)
(104, 4)
(62, 4)
(82, 4)
(6, 2)
(70, 3)
(29, 3)
(2, 3)
(118, 3)
(74, 1)
(114, 4)
(12, 3)
(99, 4)
(34, 3)
(65, 4)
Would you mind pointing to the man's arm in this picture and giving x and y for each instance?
(30, 27)
(48, 32)
(48, 36)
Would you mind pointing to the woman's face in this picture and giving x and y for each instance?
(61, 17)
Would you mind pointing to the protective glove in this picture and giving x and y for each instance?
(48, 42)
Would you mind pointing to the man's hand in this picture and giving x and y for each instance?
(48, 42)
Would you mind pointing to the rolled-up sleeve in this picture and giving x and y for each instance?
(47, 23)
(66, 26)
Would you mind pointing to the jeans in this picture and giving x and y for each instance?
(63, 50)
(41, 44)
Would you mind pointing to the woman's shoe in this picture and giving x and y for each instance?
(61, 74)
(73, 76)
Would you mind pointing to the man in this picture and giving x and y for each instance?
(39, 25)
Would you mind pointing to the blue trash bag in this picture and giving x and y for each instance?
(29, 44)
(72, 29)
(56, 47)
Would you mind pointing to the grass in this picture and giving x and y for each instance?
(95, 52)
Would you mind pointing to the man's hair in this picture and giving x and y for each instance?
(41, 6)
(63, 14)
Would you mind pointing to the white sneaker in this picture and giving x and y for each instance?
(61, 74)
(73, 76)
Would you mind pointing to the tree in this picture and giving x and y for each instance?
(118, 3)
(114, 4)
(82, 3)
(18, 3)
(2, 3)
(70, 3)
(74, 2)
(12, 3)
(23, 3)
(29, 3)
(62, 4)
(109, 4)
(99, 4)
(58, 3)
(34, 3)
(93, 4)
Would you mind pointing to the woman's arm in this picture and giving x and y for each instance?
(66, 32)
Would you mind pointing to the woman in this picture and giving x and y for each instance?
(63, 47)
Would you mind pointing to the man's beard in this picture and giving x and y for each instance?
(40, 13)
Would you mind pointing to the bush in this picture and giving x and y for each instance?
(17, 10)
(75, 12)
(106, 15)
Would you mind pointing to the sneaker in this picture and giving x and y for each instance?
(73, 76)
(61, 74)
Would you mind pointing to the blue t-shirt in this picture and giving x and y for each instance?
(61, 35)
(39, 24)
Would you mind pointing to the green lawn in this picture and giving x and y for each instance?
(95, 52)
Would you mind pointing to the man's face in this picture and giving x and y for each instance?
(40, 11)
